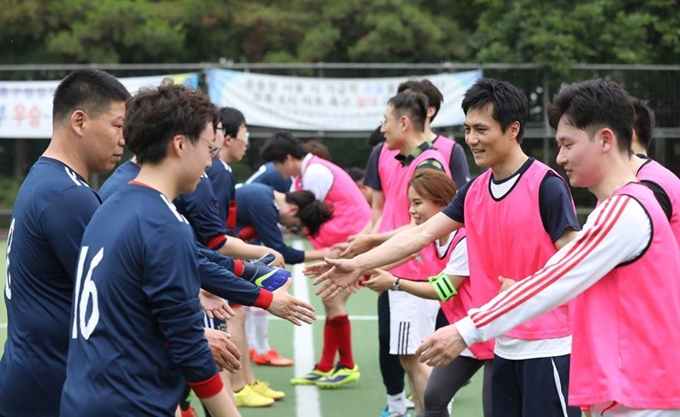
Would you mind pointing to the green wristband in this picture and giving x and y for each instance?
(442, 286)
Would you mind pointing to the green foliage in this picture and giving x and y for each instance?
(561, 33)
(8, 191)
(556, 34)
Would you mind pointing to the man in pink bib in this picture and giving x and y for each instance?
(517, 215)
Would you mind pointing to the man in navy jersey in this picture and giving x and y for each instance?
(137, 363)
(261, 209)
(50, 213)
(218, 272)
(268, 175)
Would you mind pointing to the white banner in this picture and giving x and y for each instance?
(26, 106)
(337, 104)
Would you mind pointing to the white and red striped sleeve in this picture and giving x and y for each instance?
(618, 230)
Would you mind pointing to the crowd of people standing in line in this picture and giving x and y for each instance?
(123, 300)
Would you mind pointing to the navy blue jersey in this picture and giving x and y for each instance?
(216, 269)
(256, 208)
(125, 173)
(137, 332)
(268, 175)
(554, 199)
(51, 211)
(200, 208)
(223, 183)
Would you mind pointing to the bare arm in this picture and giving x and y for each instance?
(346, 271)
(407, 242)
(383, 281)
(377, 205)
(568, 235)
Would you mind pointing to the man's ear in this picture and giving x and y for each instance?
(293, 209)
(514, 129)
(178, 145)
(431, 111)
(78, 121)
(608, 138)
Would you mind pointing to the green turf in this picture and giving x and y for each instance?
(365, 398)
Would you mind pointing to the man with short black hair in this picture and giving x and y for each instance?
(52, 208)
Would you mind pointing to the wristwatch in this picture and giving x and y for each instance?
(395, 286)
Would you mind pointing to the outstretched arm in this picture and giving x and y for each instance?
(345, 272)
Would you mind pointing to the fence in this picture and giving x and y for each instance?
(658, 84)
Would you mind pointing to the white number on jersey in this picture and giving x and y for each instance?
(10, 239)
(81, 300)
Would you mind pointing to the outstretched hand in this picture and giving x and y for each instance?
(380, 280)
(215, 306)
(224, 351)
(357, 244)
(441, 347)
(290, 308)
(342, 275)
(317, 269)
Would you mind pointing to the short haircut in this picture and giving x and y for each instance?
(510, 104)
(231, 119)
(278, 147)
(317, 148)
(90, 90)
(376, 137)
(595, 104)
(413, 105)
(643, 122)
(357, 174)
(311, 212)
(425, 86)
(433, 185)
(154, 116)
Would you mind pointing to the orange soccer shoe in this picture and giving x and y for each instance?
(271, 358)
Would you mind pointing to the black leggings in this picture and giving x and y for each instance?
(390, 367)
(445, 382)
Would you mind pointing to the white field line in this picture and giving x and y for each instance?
(307, 396)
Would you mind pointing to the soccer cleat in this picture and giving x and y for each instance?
(247, 397)
(262, 388)
(310, 378)
(409, 401)
(387, 413)
(271, 358)
(340, 375)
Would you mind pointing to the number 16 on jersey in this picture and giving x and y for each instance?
(83, 298)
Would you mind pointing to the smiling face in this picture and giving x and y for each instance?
(392, 127)
(196, 159)
(488, 143)
(103, 138)
(421, 209)
(579, 154)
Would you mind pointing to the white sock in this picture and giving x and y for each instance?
(250, 327)
(260, 329)
(397, 403)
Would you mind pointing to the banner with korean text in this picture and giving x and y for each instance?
(334, 104)
(26, 106)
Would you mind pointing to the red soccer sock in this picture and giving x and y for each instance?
(330, 347)
(343, 337)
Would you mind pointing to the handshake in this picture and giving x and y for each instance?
(261, 274)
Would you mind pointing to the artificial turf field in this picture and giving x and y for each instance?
(365, 398)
